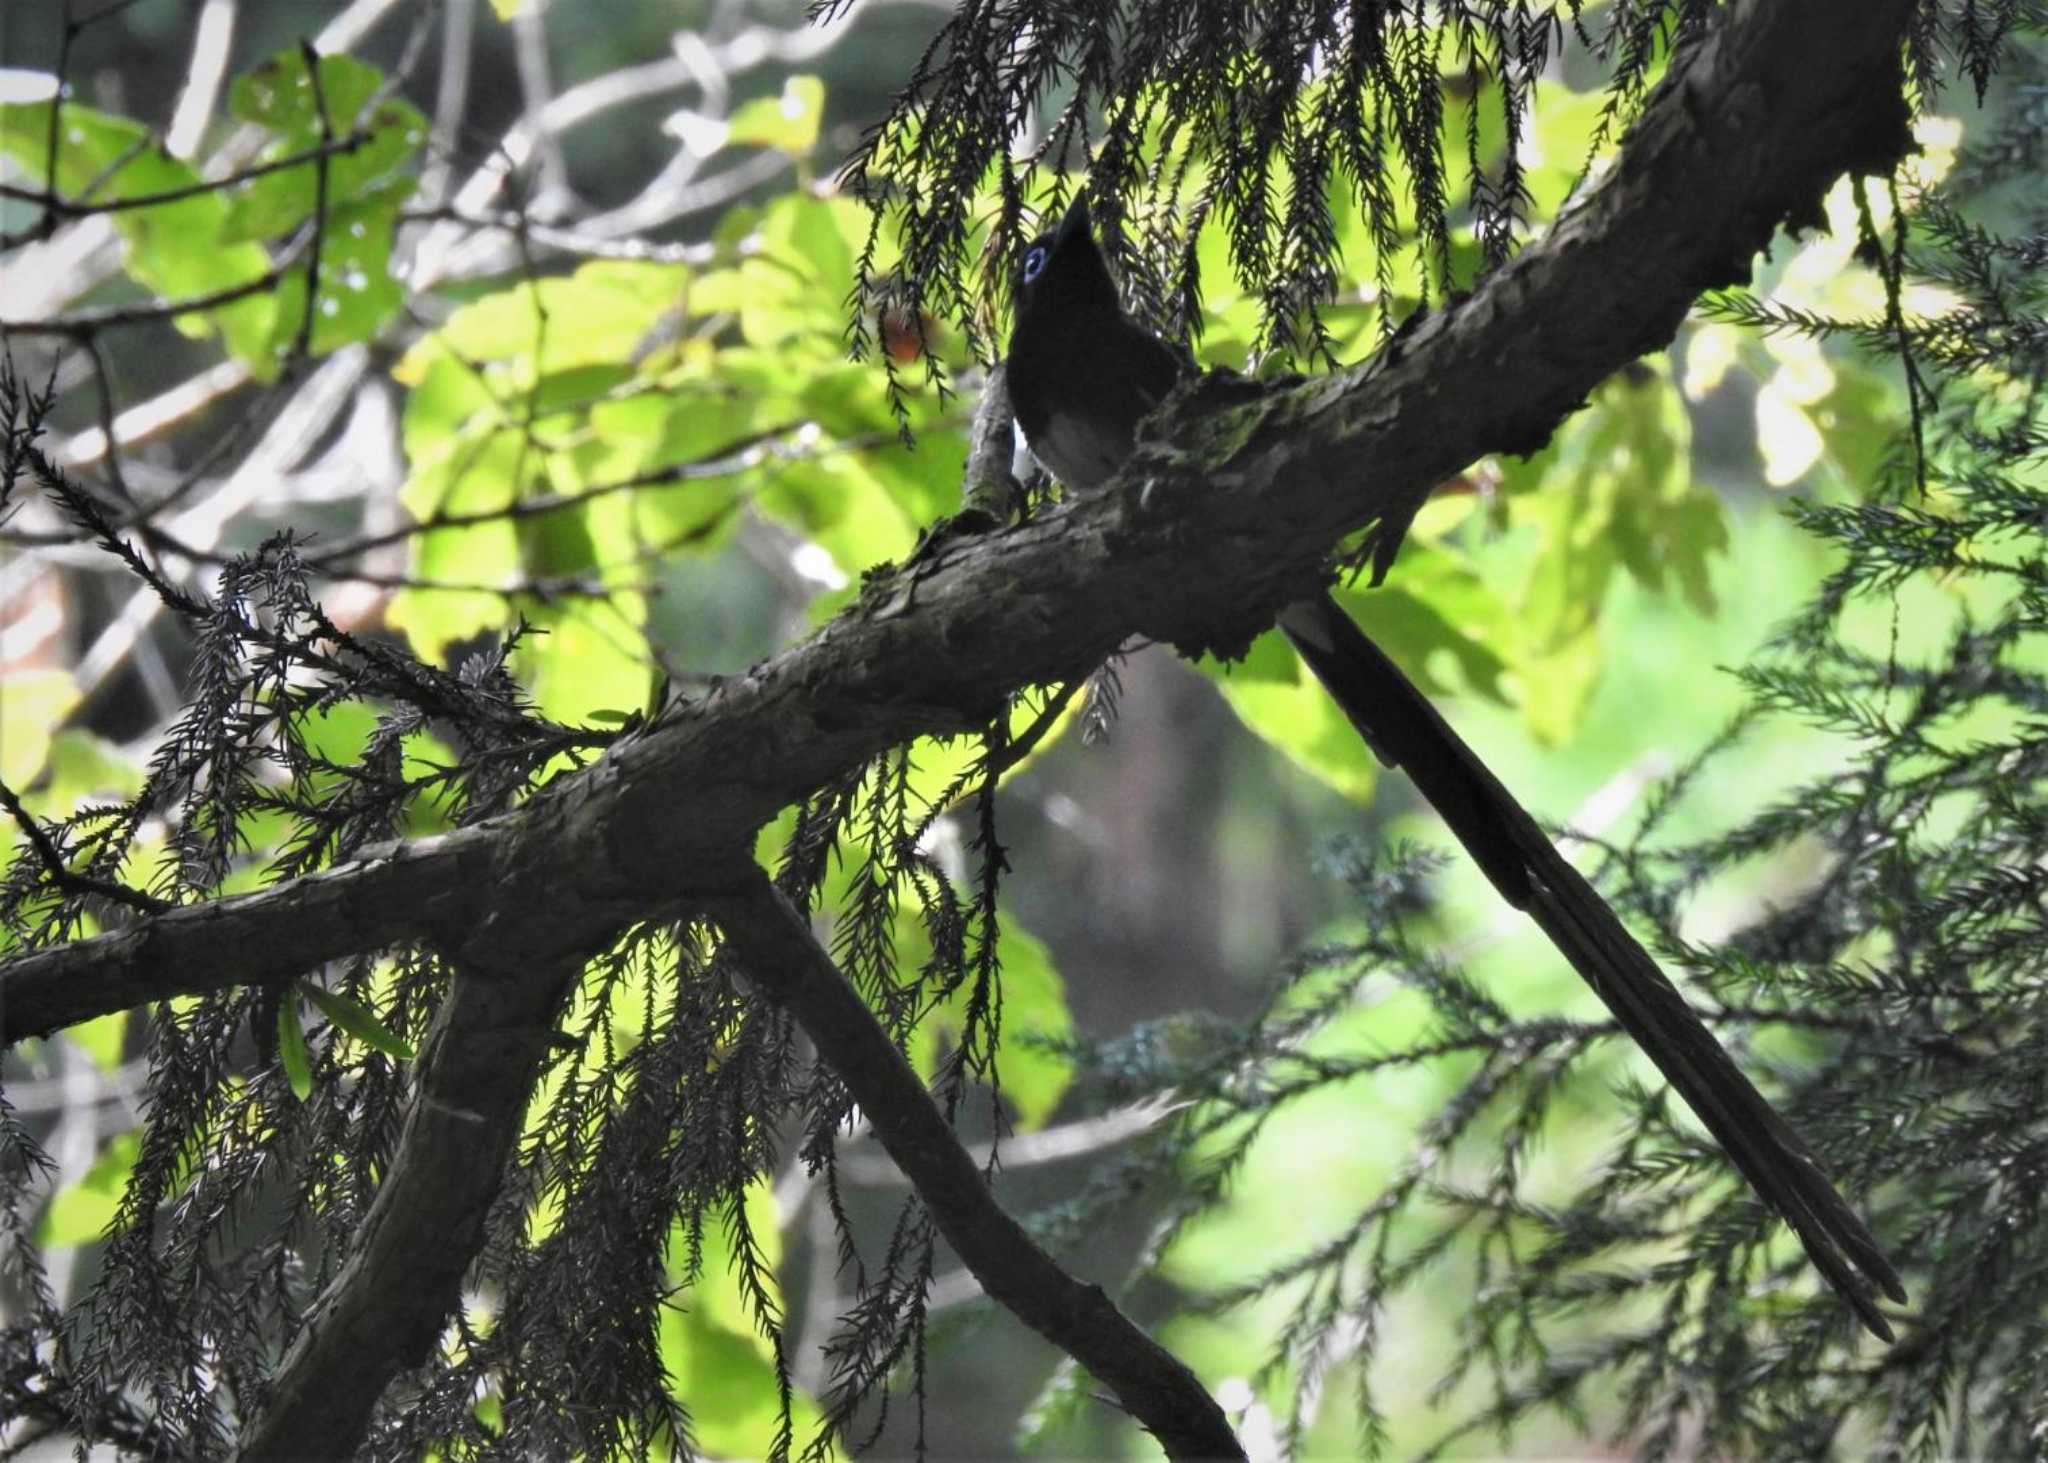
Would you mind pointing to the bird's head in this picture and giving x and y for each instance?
(1063, 272)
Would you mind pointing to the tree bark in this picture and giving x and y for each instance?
(1228, 512)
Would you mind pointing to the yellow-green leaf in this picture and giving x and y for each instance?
(32, 703)
(292, 1052)
(789, 121)
(81, 1212)
(358, 1021)
(101, 1038)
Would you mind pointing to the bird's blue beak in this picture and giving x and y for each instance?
(1074, 225)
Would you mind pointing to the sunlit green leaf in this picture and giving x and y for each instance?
(1561, 131)
(1298, 717)
(1557, 684)
(1859, 421)
(358, 296)
(596, 316)
(447, 395)
(788, 121)
(1034, 1004)
(280, 96)
(1613, 493)
(591, 656)
(32, 703)
(841, 503)
(81, 1212)
(720, 1366)
(103, 1038)
(175, 248)
(358, 1021)
(1434, 613)
(339, 732)
(292, 1052)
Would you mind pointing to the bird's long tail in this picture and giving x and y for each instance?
(1406, 731)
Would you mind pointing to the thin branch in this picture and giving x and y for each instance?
(317, 224)
(62, 876)
(84, 208)
(87, 322)
(787, 964)
(1078, 1139)
(212, 43)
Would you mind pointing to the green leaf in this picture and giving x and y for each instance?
(83, 768)
(434, 619)
(1563, 125)
(101, 1038)
(1296, 715)
(596, 316)
(734, 227)
(446, 400)
(557, 544)
(32, 703)
(474, 476)
(842, 399)
(642, 435)
(1436, 607)
(339, 732)
(480, 475)
(789, 121)
(720, 1365)
(817, 240)
(1613, 493)
(358, 296)
(1558, 684)
(772, 300)
(358, 1021)
(841, 503)
(174, 249)
(292, 1051)
(937, 763)
(590, 657)
(81, 1212)
(1436, 611)
(279, 96)
(1859, 421)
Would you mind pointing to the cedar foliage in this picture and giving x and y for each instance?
(1911, 969)
(1656, 1300)
(1141, 94)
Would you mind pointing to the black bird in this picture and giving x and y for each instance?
(1082, 375)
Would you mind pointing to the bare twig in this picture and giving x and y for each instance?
(302, 344)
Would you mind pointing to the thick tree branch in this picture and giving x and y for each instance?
(1236, 499)
(1228, 512)
(383, 1313)
(248, 939)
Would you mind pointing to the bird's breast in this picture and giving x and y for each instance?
(1080, 453)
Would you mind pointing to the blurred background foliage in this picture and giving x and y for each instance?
(578, 357)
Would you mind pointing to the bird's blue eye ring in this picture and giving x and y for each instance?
(1034, 262)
